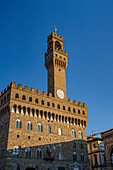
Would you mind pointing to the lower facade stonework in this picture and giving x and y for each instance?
(71, 155)
(24, 163)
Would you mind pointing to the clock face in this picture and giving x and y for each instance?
(60, 94)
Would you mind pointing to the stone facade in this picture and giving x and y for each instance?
(31, 120)
(107, 137)
(96, 153)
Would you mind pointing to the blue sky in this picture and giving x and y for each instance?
(87, 29)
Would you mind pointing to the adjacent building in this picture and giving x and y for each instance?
(96, 153)
(107, 137)
(43, 131)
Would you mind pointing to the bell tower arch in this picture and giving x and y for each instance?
(56, 63)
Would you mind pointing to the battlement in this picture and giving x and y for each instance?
(13, 85)
(5, 90)
(54, 35)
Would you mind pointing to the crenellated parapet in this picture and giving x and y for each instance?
(5, 90)
(37, 91)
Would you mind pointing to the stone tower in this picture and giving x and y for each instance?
(56, 63)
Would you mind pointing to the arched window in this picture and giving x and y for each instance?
(36, 100)
(16, 151)
(58, 106)
(29, 126)
(30, 99)
(80, 135)
(74, 156)
(16, 95)
(73, 134)
(40, 128)
(82, 157)
(48, 103)
(81, 146)
(28, 153)
(42, 102)
(18, 124)
(23, 97)
(39, 153)
(48, 129)
(57, 45)
(59, 131)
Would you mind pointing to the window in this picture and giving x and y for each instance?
(16, 151)
(83, 112)
(81, 146)
(59, 131)
(74, 110)
(42, 102)
(60, 156)
(18, 124)
(39, 128)
(74, 145)
(73, 134)
(95, 158)
(30, 99)
(23, 97)
(48, 103)
(80, 135)
(58, 106)
(82, 157)
(16, 95)
(69, 109)
(39, 153)
(78, 111)
(74, 156)
(48, 129)
(36, 100)
(63, 107)
(57, 45)
(53, 105)
(28, 153)
(29, 126)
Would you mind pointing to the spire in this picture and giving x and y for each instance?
(55, 29)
